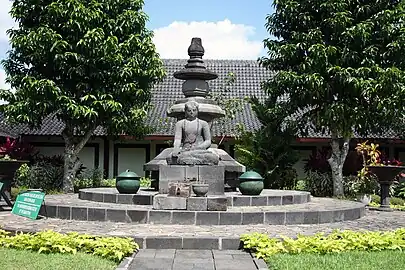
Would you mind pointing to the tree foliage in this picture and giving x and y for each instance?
(268, 150)
(340, 63)
(88, 63)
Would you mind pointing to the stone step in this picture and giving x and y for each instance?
(145, 197)
(152, 236)
(319, 210)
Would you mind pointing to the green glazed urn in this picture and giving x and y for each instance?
(128, 182)
(251, 183)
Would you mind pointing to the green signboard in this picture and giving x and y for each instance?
(1, 186)
(28, 204)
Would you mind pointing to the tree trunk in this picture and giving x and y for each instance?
(72, 164)
(73, 146)
(336, 162)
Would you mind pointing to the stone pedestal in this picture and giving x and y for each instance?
(214, 176)
(209, 203)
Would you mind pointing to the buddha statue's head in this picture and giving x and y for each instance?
(191, 110)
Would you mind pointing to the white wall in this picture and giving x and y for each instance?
(86, 155)
(131, 159)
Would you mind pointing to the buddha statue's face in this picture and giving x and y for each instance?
(191, 110)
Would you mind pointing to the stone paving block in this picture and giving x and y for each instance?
(275, 218)
(164, 202)
(229, 218)
(252, 218)
(146, 253)
(207, 218)
(110, 198)
(259, 201)
(274, 200)
(184, 217)
(124, 198)
(137, 216)
(116, 215)
(235, 264)
(287, 199)
(63, 212)
(242, 201)
(151, 264)
(200, 243)
(97, 197)
(170, 173)
(163, 243)
(165, 254)
(311, 217)
(160, 217)
(197, 204)
(231, 243)
(217, 203)
(294, 218)
(260, 264)
(96, 214)
(79, 213)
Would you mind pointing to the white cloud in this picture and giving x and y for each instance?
(6, 22)
(221, 40)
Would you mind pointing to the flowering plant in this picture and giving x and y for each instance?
(14, 149)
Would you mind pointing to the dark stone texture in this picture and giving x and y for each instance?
(259, 201)
(288, 199)
(142, 200)
(299, 199)
(311, 217)
(64, 212)
(351, 214)
(124, 198)
(97, 197)
(116, 215)
(274, 200)
(294, 218)
(110, 198)
(275, 218)
(139, 241)
(326, 217)
(184, 217)
(229, 201)
(231, 243)
(163, 242)
(197, 204)
(229, 218)
(85, 195)
(160, 217)
(241, 201)
(200, 243)
(252, 218)
(207, 218)
(79, 213)
(217, 203)
(48, 211)
(214, 176)
(338, 216)
(137, 216)
(96, 214)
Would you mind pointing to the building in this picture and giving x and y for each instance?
(116, 155)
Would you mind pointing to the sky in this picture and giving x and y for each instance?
(229, 29)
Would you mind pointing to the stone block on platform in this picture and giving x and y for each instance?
(179, 189)
(214, 176)
(165, 202)
(217, 203)
(168, 174)
(197, 203)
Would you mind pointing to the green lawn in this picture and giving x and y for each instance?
(388, 260)
(26, 260)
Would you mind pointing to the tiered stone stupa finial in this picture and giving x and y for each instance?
(195, 86)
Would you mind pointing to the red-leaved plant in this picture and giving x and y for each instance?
(16, 149)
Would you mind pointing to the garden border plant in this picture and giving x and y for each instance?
(111, 248)
(337, 241)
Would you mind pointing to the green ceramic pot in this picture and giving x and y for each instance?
(128, 182)
(251, 183)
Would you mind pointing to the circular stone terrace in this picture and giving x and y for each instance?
(272, 207)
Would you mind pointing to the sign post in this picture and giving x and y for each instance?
(28, 204)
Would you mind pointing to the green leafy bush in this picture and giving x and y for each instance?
(89, 178)
(319, 184)
(145, 182)
(337, 241)
(112, 248)
(108, 182)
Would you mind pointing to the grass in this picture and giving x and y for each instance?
(388, 260)
(12, 259)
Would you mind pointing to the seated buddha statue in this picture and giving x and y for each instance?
(191, 140)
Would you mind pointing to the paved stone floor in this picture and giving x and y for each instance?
(373, 220)
(172, 259)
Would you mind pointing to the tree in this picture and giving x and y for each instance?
(340, 64)
(89, 63)
(268, 150)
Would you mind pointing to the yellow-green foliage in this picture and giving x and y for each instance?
(337, 241)
(112, 248)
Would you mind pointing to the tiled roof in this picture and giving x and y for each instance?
(249, 76)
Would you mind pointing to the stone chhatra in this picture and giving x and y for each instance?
(191, 140)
